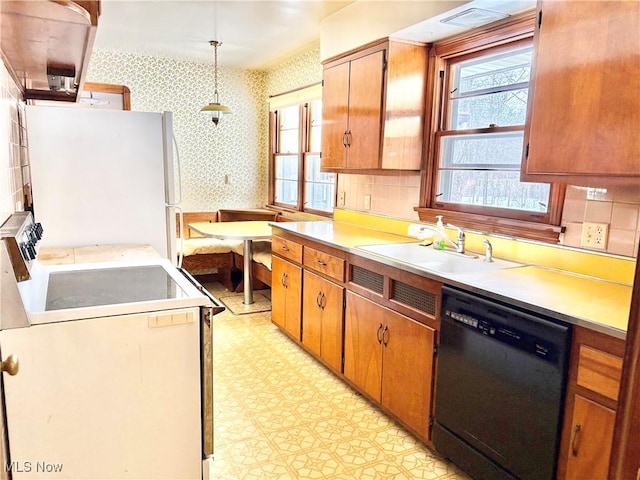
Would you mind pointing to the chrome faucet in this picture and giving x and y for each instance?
(488, 253)
(460, 244)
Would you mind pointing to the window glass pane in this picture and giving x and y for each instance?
(289, 141)
(289, 129)
(315, 125)
(286, 191)
(492, 71)
(287, 167)
(488, 150)
(500, 189)
(320, 187)
(289, 117)
(503, 109)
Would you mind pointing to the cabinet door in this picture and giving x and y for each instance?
(591, 439)
(365, 111)
(312, 312)
(363, 325)
(322, 319)
(585, 108)
(335, 104)
(331, 302)
(407, 375)
(286, 296)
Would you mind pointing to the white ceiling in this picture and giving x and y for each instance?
(254, 33)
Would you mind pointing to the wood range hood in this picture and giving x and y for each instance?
(46, 45)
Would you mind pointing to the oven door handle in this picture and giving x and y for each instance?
(217, 306)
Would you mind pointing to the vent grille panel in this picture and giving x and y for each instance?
(414, 297)
(367, 279)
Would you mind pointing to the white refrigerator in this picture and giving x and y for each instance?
(103, 177)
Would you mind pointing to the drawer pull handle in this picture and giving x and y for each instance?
(318, 300)
(285, 248)
(574, 443)
(385, 336)
(378, 336)
(322, 263)
(283, 280)
(323, 301)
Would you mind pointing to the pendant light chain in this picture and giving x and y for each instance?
(215, 69)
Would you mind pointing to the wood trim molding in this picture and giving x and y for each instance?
(497, 225)
(111, 88)
(508, 30)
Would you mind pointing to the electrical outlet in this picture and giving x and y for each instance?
(594, 235)
(342, 198)
(367, 202)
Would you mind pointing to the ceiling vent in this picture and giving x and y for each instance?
(474, 17)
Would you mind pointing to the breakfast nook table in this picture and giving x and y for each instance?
(247, 231)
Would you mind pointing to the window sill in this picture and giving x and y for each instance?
(494, 225)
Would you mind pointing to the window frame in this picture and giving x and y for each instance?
(500, 36)
(304, 141)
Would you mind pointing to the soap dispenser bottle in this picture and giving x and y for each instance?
(438, 241)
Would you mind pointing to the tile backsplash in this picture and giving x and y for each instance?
(14, 158)
(618, 207)
(391, 195)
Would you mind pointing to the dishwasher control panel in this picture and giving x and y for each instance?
(505, 324)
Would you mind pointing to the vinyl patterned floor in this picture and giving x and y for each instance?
(279, 414)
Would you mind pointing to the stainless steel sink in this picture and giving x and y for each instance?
(429, 259)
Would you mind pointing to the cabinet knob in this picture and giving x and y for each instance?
(11, 365)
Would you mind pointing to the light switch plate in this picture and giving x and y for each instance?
(367, 202)
(342, 199)
(594, 235)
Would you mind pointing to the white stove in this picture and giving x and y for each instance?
(115, 365)
(57, 293)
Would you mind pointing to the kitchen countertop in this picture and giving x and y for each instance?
(596, 304)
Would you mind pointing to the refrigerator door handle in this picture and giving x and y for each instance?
(178, 200)
(180, 256)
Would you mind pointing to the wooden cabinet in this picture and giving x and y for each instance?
(584, 106)
(390, 357)
(373, 108)
(591, 439)
(323, 305)
(322, 308)
(286, 296)
(592, 393)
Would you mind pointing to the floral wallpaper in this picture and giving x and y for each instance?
(223, 166)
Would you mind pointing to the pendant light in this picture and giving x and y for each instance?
(215, 110)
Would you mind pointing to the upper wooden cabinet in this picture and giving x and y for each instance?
(373, 103)
(46, 45)
(583, 120)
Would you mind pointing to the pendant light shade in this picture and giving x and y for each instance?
(215, 110)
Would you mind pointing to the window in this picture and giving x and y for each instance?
(297, 181)
(479, 142)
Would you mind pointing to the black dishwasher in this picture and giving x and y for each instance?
(500, 388)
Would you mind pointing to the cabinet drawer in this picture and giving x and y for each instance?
(324, 263)
(286, 248)
(599, 371)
